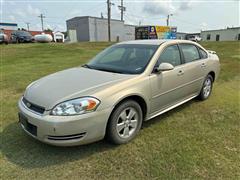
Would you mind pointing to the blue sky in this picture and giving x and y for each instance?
(188, 16)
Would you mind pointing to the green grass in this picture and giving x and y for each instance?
(198, 140)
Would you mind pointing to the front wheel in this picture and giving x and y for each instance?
(125, 122)
(207, 88)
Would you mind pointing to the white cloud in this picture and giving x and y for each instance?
(32, 11)
(185, 5)
(164, 7)
(159, 7)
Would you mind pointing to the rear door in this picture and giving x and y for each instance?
(194, 69)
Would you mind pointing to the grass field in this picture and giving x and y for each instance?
(199, 140)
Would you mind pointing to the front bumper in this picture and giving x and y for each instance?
(64, 130)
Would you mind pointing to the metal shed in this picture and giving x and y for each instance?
(96, 29)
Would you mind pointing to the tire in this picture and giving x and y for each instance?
(121, 127)
(206, 88)
(21, 41)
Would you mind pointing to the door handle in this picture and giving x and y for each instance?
(203, 65)
(180, 72)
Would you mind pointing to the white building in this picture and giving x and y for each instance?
(229, 34)
(9, 26)
(87, 28)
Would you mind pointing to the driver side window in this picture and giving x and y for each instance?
(170, 55)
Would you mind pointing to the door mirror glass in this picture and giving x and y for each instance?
(164, 67)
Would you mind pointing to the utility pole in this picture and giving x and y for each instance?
(109, 4)
(27, 25)
(168, 16)
(139, 23)
(122, 9)
(42, 16)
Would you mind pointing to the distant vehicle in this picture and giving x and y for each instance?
(58, 37)
(21, 37)
(195, 38)
(110, 96)
(44, 38)
(3, 38)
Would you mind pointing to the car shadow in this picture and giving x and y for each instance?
(23, 150)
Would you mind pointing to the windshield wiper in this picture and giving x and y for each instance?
(109, 70)
(87, 66)
(103, 69)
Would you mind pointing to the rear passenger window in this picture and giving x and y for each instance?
(170, 55)
(203, 54)
(190, 52)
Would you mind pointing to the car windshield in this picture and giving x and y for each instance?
(124, 58)
(23, 33)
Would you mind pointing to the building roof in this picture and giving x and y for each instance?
(8, 24)
(228, 28)
(84, 17)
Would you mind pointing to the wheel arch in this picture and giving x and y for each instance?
(212, 73)
(138, 98)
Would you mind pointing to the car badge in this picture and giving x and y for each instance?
(28, 104)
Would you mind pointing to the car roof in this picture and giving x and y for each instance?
(154, 41)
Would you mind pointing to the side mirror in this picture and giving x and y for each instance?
(164, 67)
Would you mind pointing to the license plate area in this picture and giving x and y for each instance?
(32, 129)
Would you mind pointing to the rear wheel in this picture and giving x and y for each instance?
(207, 88)
(125, 122)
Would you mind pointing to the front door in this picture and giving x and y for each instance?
(166, 86)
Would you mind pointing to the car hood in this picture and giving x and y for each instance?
(68, 84)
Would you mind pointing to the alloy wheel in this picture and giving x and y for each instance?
(127, 122)
(207, 87)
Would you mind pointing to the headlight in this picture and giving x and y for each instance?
(76, 107)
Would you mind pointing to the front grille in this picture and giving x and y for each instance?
(33, 107)
(67, 137)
